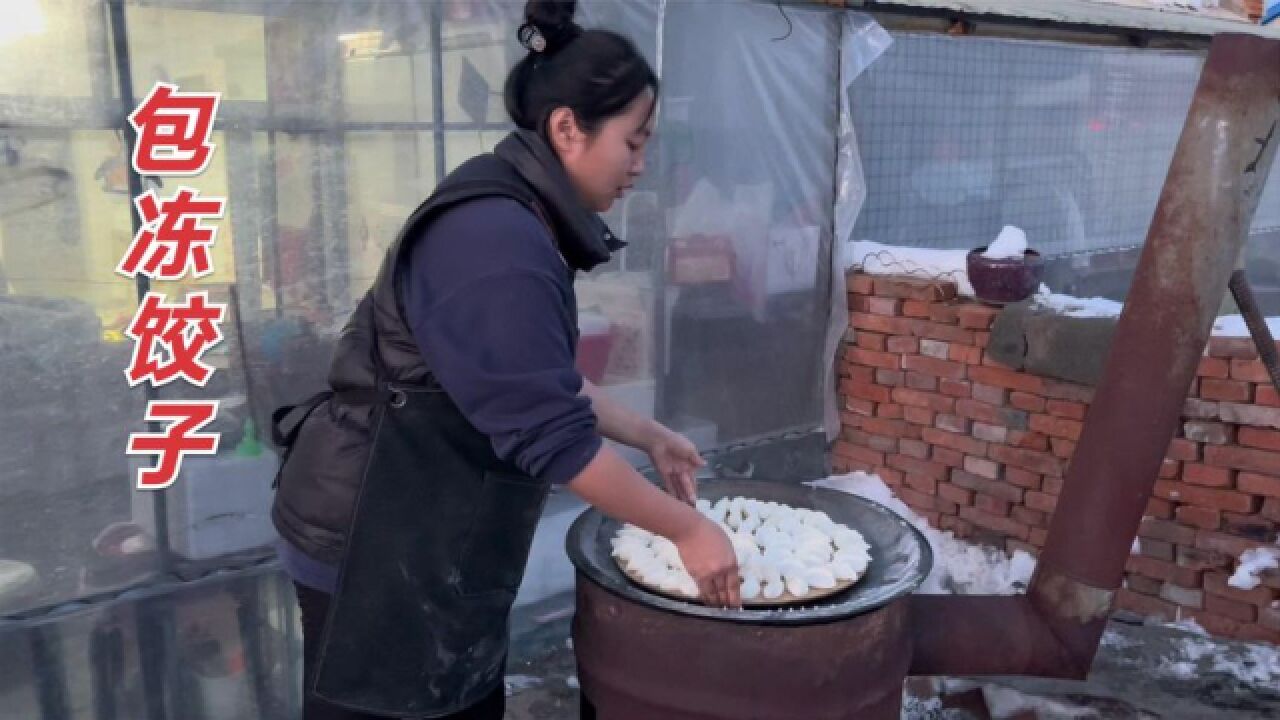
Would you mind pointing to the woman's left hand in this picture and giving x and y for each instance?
(676, 459)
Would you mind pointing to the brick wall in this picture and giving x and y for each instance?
(981, 449)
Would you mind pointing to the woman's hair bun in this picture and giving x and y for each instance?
(549, 25)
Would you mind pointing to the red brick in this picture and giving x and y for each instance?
(1258, 438)
(1258, 633)
(859, 283)
(1022, 478)
(1012, 546)
(990, 394)
(977, 317)
(935, 349)
(1206, 497)
(1211, 367)
(872, 393)
(889, 411)
(1170, 469)
(1269, 617)
(867, 440)
(1026, 401)
(1027, 516)
(992, 415)
(1029, 441)
(1157, 549)
(1060, 390)
(1229, 347)
(916, 309)
(955, 388)
(990, 433)
(1037, 462)
(919, 467)
(1158, 508)
(1216, 584)
(949, 333)
(1066, 409)
(1162, 570)
(870, 341)
(913, 289)
(994, 488)
(858, 373)
(1251, 526)
(958, 442)
(1199, 517)
(1057, 426)
(954, 524)
(1200, 409)
(922, 483)
(885, 305)
(872, 358)
(859, 407)
(1245, 414)
(957, 495)
(1062, 448)
(918, 416)
(1266, 395)
(953, 423)
(916, 398)
(884, 325)
(1223, 543)
(1038, 536)
(998, 524)
(1229, 608)
(889, 378)
(991, 505)
(892, 478)
(1268, 485)
(1197, 559)
(859, 303)
(967, 354)
(920, 502)
(1143, 584)
(1249, 371)
(1157, 529)
(1004, 377)
(1259, 461)
(1270, 509)
(947, 456)
(982, 467)
(945, 314)
(1051, 484)
(857, 453)
(982, 339)
(935, 367)
(918, 381)
(1208, 432)
(1183, 449)
(1145, 605)
(1229, 390)
(1214, 623)
(1206, 475)
(903, 344)
(1041, 501)
(918, 449)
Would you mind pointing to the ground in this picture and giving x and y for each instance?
(1142, 671)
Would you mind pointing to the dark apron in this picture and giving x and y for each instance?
(434, 557)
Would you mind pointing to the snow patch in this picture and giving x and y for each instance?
(1253, 562)
(959, 567)
(1010, 243)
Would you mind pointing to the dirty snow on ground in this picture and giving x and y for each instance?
(1252, 664)
(958, 567)
(1253, 562)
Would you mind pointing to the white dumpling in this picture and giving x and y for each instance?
(796, 585)
(749, 523)
(632, 532)
(791, 568)
(820, 577)
(721, 508)
(811, 560)
(671, 581)
(773, 590)
(842, 571)
(688, 587)
(769, 571)
(750, 588)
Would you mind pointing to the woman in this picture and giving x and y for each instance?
(455, 405)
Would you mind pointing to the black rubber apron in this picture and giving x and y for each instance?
(437, 548)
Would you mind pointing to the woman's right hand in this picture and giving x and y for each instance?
(708, 557)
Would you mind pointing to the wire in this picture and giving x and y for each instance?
(790, 27)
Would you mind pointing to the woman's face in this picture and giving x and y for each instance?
(605, 165)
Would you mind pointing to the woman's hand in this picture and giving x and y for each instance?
(708, 557)
(676, 459)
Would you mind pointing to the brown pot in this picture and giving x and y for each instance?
(1004, 280)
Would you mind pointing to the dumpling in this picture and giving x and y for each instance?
(819, 577)
(773, 590)
(796, 584)
(842, 571)
(750, 588)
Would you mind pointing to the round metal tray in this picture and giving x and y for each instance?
(900, 555)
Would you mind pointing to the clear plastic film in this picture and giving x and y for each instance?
(862, 42)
